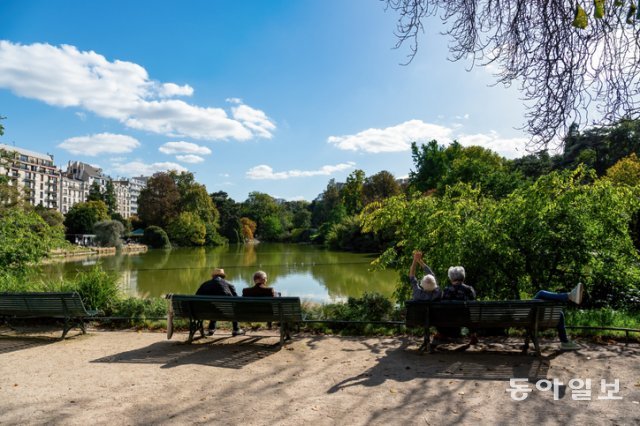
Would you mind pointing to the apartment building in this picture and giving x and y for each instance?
(35, 174)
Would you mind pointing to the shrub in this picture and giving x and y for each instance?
(109, 233)
(155, 237)
(98, 289)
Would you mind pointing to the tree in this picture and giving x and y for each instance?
(259, 206)
(109, 198)
(156, 237)
(229, 212)
(109, 233)
(187, 230)
(24, 239)
(625, 171)
(248, 228)
(158, 203)
(561, 67)
(352, 192)
(82, 216)
(95, 193)
(379, 186)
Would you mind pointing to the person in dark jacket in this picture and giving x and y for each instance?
(218, 286)
(260, 289)
(427, 288)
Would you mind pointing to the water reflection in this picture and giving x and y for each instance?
(294, 270)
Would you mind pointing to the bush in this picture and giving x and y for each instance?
(109, 233)
(187, 230)
(140, 311)
(155, 237)
(98, 289)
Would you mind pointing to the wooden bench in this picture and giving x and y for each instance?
(196, 309)
(530, 315)
(67, 306)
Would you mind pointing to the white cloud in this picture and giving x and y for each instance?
(264, 172)
(507, 147)
(255, 120)
(169, 90)
(392, 139)
(137, 168)
(182, 147)
(190, 158)
(102, 143)
(234, 100)
(398, 138)
(66, 77)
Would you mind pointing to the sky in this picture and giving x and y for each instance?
(271, 96)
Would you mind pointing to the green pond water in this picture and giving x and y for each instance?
(309, 272)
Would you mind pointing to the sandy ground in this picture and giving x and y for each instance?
(128, 377)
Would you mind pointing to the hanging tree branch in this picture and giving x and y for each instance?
(573, 61)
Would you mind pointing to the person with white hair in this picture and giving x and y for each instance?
(428, 288)
(457, 290)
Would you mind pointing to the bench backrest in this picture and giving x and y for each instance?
(39, 305)
(512, 313)
(226, 308)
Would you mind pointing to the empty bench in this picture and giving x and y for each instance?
(197, 309)
(531, 315)
(66, 306)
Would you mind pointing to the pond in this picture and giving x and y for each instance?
(310, 272)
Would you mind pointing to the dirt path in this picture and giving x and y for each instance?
(141, 378)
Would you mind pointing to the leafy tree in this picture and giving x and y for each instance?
(259, 206)
(272, 229)
(24, 239)
(561, 68)
(379, 186)
(109, 198)
(82, 216)
(109, 233)
(95, 193)
(563, 229)
(229, 212)
(187, 230)
(625, 171)
(352, 196)
(1, 126)
(156, 237)
(248, 228)
(158, 203)
(328, 207)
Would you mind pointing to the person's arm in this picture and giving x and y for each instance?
(417, 257)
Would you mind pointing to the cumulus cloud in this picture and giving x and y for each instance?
(398, 138)
(190, 158)
(66, 77)
(182, 147)
(507, 147)
(264, 172)
(392, 139)
(255, 120)
(137, 168)
(102, 143)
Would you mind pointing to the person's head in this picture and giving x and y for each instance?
(428, 282)
(218, 272)
(260, 278)
(456, 274)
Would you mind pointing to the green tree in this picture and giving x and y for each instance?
(352, 192)
(187, 230)
(158, 203)
(95, 193)
(229, 212)
(258, 206)
(109, 198)
(24, 239)
(156, 237)
(82, 216)
(380, 186)
(109, 233)
(272, 229)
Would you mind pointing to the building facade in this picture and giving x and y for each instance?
(34, 174)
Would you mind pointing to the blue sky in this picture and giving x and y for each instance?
(270, 96)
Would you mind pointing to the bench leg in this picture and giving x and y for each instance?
(194, 325)
(527, 338)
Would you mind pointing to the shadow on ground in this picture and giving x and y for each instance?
(220, 351)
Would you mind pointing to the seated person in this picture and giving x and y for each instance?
(457, 290)
(259, 289)
(574, 296)
(428, 288)
(218, 286)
